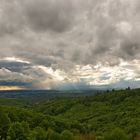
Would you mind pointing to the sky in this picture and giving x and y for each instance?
(69, 44)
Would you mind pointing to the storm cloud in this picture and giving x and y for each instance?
(60, 38)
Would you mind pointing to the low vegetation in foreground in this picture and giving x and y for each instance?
(112, 115)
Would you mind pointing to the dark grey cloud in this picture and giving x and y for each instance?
(54, 15)
(40, 16)
(12, 19)
(16, 83)
(14, 66)
(130, 50)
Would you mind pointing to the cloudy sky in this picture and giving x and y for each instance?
(69, 44)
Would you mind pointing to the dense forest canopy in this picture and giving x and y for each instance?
(113, 115)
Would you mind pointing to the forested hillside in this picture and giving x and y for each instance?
(112, 115)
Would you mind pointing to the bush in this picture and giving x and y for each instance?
(17, 131)
(38, 134)
(117, 134)
(66, 135)
(4, 125)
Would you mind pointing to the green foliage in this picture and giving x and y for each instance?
(38, 134)
(66, 135)
(99, 138)
(73, 117)
(13, 116)
(52, 135)
(90, 136)
(4, 124)
(18, 131)
(117, 134)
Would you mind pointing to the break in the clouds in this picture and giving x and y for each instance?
(69, 44)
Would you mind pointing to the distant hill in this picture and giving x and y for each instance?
(35, 95)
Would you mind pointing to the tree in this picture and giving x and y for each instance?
(4, 125)
(26, 128)
(55, 136)
(18, 131)
(90, 136)
(38, 134)
(12, 116)
(128, 88)
(117, 134)
(67, 135)
(52, 135)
